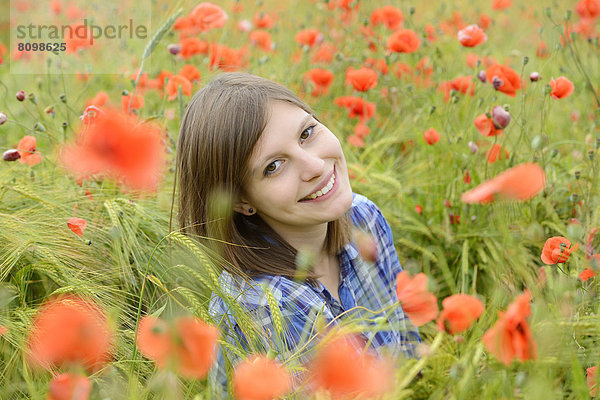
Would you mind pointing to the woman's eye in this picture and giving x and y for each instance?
(307, 133)
(271, 167)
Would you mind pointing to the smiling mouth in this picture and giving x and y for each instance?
(323, 191)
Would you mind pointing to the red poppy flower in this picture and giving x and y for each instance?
(485, 126)
(118, 146)
(263, 20)
(591, 381)
(510, 338)
(462, 84)
(356, 106)
(173, 85)
(100, 99)
(322, 80)
(501, 4)
(70, 329)
(589, 9)
(561, 88)
(207, 16)
(459, 312)
(390, 16)
(78, 37)
(261, 39)
(309, 37)
(162, 77)
(504, 79)
(69, 387)
(356, 140)
(554, 253)
(191, 46)
(190, 73)
(431, 32)
(484, 21)
(27, 152)
(417, 302)
(261, 378)
(431, 136)
(343, 369)
(362, 79)
(471, 36)
(190, 343)
(136, 103)
(542, 50)
(403, 41)
(324, 54)
(495, 153)
(77, 225)
(401, 69)
(518, 183)
(3, 330)
(226, 58)
(586, 274)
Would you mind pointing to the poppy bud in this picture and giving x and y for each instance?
(497, 82)
(11, 155)
(3, 118)
(481, 76)
(20, 95)
(577, 174)
(174, 48)
(39, 127)
(534, 76)
(32, 98)
(500, 117)
(63, 98)
(525, 60)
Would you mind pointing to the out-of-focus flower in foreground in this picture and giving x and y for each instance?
(69, 387)
(120, 147)
(417, 302)
(518, 183)
(591, 381)
(261, 378)
(189, 344)
(70, 330)
(344, 370)
(554, 252)
(459, 312)
(510, 338)
(27, 152)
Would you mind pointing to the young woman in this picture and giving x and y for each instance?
(292, 264)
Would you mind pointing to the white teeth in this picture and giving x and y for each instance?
(323, 191)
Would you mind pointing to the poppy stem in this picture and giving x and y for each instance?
(421, 363)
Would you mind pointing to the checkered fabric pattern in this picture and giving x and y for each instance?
(291, 330)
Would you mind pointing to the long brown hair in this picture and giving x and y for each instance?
(220, 127)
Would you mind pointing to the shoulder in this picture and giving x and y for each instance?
(364, 213)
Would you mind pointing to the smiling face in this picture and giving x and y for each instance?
(295, 158)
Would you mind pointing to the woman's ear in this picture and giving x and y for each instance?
(243, 207)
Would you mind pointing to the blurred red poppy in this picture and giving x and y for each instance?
(589, 9)
(173, 85)
(591, 381)
(417, 302)
(501, 4)
(322, 79)
(510, 338)
(344, 370)
(261, 39)
(485, 126)
(191, 46)
(504, 79)
(27, 151)
(100, 99)
(309, 37)
(458, 313)
(471, 36)
(118, 146)
(263, 20)
(261, 378)
(403, 41)
(362, 79)
(136, 103)
(431, 136)
(518, 183)
(70, 329)
(69, 387)
(189, 343)
(190, 73)
(388, 15)
(495, 153)
(356, 106)
(207, 16)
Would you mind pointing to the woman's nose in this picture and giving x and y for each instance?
(312, 166)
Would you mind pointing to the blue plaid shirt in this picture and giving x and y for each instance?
(362, 286)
